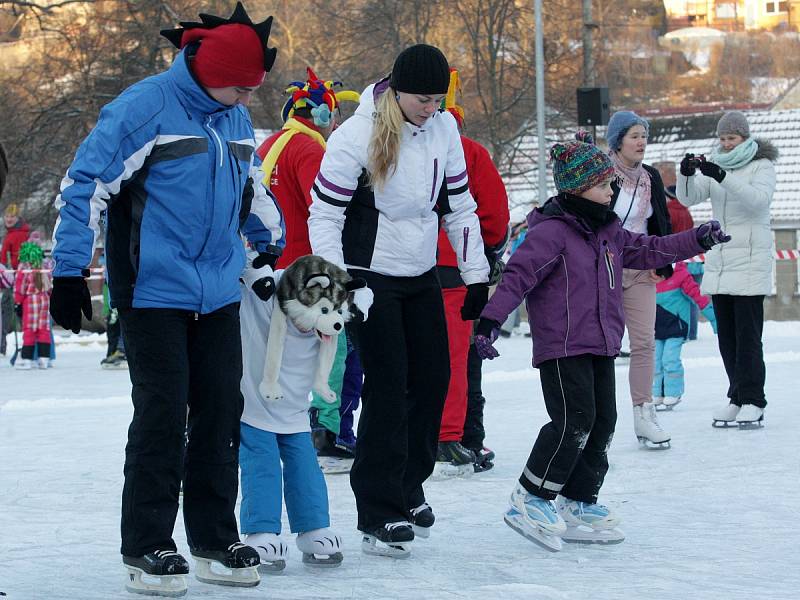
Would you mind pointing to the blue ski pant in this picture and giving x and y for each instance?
(668, 371)
(265, 482)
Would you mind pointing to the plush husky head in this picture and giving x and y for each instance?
(315, 295)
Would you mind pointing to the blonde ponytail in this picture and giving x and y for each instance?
(384, 145)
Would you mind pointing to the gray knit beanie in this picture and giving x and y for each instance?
(619, 124)
(733, 122)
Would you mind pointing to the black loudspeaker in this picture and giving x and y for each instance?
(593, 106)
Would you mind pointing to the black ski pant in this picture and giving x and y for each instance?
(474, 433)
(570, 456)
(404, 354)
(178, 360)
(740, 323)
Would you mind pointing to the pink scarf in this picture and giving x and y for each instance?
(634, 180)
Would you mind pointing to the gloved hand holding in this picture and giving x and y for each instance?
(688, 163)
(710, 234)
(18, 310)
(486, 333)
(708, 313)
(69, 298)
(259, 276)
(713, 170)
(477, 297)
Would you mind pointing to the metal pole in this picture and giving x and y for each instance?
(540, 123)
(588, 56)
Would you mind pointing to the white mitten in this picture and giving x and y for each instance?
(362, 299)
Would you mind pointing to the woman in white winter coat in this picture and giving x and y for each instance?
(739, 178)
(388, 175)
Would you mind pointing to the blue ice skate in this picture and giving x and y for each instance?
(535, 518)
(588, 523)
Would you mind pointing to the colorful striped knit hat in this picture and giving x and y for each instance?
(578, 166)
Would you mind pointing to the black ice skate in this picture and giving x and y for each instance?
(158, 573)
(395, 538)
(332, 455)
(235, 566)
(484, 459)
(422, 519)
(453, 460)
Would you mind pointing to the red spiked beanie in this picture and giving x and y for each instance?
(232, 51)
(229, 55)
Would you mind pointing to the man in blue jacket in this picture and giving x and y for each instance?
(172, 161)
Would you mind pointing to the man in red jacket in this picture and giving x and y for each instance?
(489, 192)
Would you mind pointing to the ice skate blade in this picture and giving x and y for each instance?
(583, 534)
(647, 444)
(272, 567)
(718, 424)
(324, 561)
(664, 407)
(213, 572)
(551, 543)
(445, 471)
(421, 532)
(751, 424)
(170, 586)
(334, 466)
(369, 545)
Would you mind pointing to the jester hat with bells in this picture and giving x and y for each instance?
(232, 51)
(317, 95)
(449, 102)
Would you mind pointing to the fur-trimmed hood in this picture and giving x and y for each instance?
(766, 149)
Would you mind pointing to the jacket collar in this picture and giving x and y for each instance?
(189, 91)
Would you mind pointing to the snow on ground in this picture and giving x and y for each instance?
(712, 518)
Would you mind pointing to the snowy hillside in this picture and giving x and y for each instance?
(714, 517)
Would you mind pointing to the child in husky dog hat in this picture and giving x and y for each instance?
(569, 271)
(276, 452)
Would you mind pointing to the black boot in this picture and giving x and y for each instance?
(422, 519)
(237, 556)
(454, 453)
(392, 533)
(159, 562)
(483, 459)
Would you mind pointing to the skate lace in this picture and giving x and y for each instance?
(236, 546)
(651, 417)
(392, 526)
(422, 507)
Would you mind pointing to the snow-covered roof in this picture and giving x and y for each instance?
(671, 139)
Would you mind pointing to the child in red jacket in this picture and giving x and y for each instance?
(32, 301)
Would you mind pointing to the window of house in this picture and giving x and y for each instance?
(775, 6)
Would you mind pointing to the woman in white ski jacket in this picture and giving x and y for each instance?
(389, 175)
(739, 178)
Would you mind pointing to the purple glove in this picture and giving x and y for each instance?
(486, 333)
(710, 234)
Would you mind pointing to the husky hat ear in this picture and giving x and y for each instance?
(356, 283)
(320, 279)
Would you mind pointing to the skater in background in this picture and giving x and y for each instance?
(569, 270)
(115, 347)
(519, 228)
(386, 172)
(181, 144)
(291, 159)
(675, 297)
(641, 205)
(681, 219)
(17, 232)
(32, 288)
(489, 193)
(739, 178)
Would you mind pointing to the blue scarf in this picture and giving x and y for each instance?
(736, 158)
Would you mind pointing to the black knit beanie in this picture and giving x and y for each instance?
(420, 69)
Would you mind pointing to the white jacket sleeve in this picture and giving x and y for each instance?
(693, 189)
(755, 189)
(333, 189)
(459, 219)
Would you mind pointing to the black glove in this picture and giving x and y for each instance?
(689, 165)
(710, 169)
(477, 297)
(18, 310)
(70, 297)
(710, 234)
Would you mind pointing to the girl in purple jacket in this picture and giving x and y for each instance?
(569, 272)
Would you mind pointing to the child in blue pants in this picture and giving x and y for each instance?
(675, 297)
(276, 455)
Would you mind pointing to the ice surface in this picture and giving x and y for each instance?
(714, 517)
